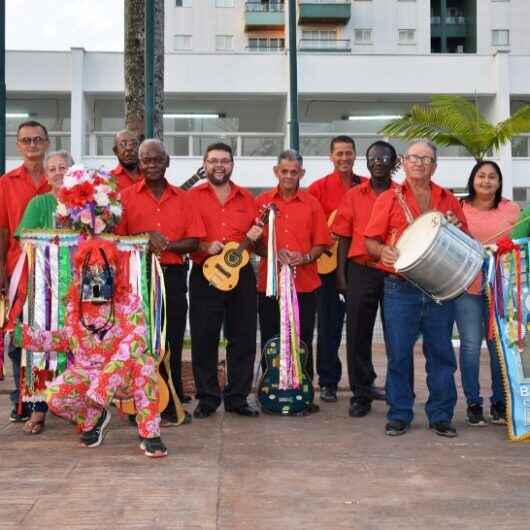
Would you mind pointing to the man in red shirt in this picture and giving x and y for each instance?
(127, 172)
(408, 313)
(17, 188)
(229, 214)
(357, 276)
(302, 234)
(153, 206)
(329, 191)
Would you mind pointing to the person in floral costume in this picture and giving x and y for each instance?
(106, 332)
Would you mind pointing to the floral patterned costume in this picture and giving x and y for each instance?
(104, 368)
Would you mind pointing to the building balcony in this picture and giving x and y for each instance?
(325, 45)
(262, 16)
(452, 27)
(324, 12)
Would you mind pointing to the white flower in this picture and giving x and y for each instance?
(61, 210)
(102, 199)
(115, 209)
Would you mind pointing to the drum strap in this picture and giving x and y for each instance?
(404, 205)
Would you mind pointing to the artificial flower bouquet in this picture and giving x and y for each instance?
(88, 201)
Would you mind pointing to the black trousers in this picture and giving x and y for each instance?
(209, 308)
(269, 322)
(175, 277)
(365, 294)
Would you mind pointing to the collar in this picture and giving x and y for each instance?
(299, 195)
(437, 192)
(365, 186)
(141, 185)
(234, 189)
(336, 176)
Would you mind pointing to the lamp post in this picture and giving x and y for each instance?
(294, 127)
(149, 75)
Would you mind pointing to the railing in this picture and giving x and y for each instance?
(435, 20)
(325, 44)
(324, 1)
(258, 7)
(521, 146)
(59, 140)
(265, 49)
(451, 21)
(190, 144)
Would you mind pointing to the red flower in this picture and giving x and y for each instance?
(78, 195)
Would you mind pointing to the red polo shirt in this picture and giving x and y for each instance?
(352, 218)
(329, 191)
(300, 225)
(17, 188)
(172, 215)
(223, 222)
(388, 220)
(122, 178)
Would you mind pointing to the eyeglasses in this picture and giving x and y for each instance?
(28, 140)
(148, 161)
(415, 159)
(129, 143)
(383, 159)
(215, 162)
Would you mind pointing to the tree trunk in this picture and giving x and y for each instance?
(134, 65)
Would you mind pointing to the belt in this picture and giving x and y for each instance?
(173, 266)
(363, 261)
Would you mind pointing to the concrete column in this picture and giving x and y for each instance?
(500, 112)
(78, 106)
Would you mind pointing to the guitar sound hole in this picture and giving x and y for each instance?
(233, 259)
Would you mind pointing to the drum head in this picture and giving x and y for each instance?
(416, 239)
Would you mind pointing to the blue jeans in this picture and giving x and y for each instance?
(409, 313)
(471, 312)
(330, 311)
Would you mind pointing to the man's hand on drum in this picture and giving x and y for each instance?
(389, 255)
(453, 219)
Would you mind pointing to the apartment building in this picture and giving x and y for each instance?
(361, 62)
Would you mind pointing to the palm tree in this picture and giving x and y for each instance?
(134, 60)
(453, 120)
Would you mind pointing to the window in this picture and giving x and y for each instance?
(406, 36)
(265, 44)
(183, 3)
(362, 36)
(224, 3)
(182, 42)
(500, 37)
(224, 42)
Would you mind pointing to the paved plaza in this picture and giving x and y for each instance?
(324, 472)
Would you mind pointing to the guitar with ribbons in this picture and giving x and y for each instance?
(198, 175)
(222, 270)
(327, 262)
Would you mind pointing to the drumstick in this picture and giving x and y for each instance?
(495, 236)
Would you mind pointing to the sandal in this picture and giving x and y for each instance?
(34, 427)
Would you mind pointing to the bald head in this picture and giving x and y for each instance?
(153, 159)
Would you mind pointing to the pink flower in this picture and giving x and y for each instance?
(99, 225)
(115, 380)
(86, 217)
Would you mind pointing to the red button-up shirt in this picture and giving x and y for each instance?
(122, 178)
(329, 191)
(388, 220)
(352, 218)
(300, 225)
(223, 222)
(17, 188)
(172, 215)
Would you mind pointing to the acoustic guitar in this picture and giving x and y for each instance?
(222, 270)
(327, 262)
(270, 397)
(198, 175)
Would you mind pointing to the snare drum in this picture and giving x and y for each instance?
(438, 257)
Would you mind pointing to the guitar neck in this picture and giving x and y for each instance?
(190, 182)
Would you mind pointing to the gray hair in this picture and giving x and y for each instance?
(292, 156)
(154, 141)
(65, 155)
(426, 142)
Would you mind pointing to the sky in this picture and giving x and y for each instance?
(61, 24)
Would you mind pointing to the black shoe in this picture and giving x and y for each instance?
(498, 414)
(443, 428)
(377, 393)
(185, 398)
(132, 419)
(243, 410)
(396, 428)
(94, 437)
(312, 408)
(14, 417)
(153, 447)
(202, 412)
(328, 394)
(359, 408)
(475, 416)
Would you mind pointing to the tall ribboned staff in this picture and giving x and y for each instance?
(302, 235)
